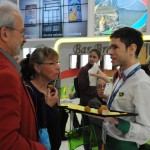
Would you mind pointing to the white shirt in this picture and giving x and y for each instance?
(135, 99)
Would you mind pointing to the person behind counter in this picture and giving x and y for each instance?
(18, 130)
(97, 102)
(86, 91)
(42, 67)
(130, 94)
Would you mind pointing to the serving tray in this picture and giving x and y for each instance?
(94, 112)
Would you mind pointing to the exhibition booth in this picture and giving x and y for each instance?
(74, 27)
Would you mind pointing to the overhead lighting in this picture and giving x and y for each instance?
(60, 41)
(80, 40)
(146, 38)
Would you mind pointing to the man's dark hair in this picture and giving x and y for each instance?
(129, 36)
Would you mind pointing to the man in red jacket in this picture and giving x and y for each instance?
(18, 125)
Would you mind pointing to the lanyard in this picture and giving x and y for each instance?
(115, 91)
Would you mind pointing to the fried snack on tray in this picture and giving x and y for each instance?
(87, 109)
(103, 107)
(103, 110)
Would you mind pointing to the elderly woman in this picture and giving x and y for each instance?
(38, 70)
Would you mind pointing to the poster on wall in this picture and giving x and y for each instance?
(30, 15)
(74, 8)
(75, 13)
(48, 19)
(111, 15)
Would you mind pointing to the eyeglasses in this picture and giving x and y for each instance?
(101, 86)
(22, 32)
(51, 63)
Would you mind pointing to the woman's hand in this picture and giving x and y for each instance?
(100, 74)
(51, 98)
